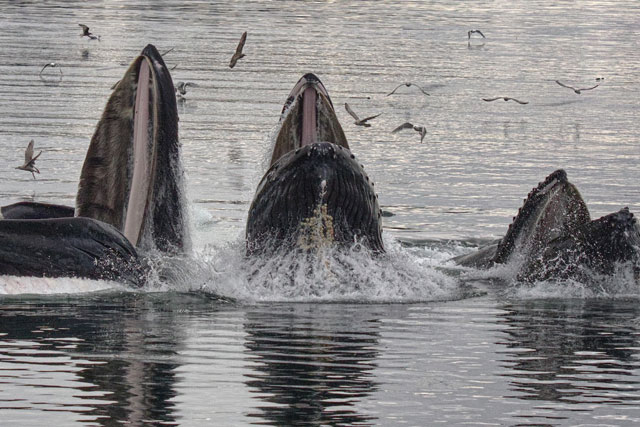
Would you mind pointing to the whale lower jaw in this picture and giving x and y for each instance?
(315, 196)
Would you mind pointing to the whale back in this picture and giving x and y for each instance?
(68, 247)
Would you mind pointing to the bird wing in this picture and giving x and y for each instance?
(491, 99)
(422, 90)
(243, 39)
(405, 125)
(351, 112)
(32, 163)
(45, 66)
(589, 88)
(394, 90)
(564, 85)
(28, 153)
(480, 32)
(170, 50)
(369, 118)
(518, 101)
(85, 29)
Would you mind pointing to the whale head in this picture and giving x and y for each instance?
(552, 209)
(315, 193)
(131, 177)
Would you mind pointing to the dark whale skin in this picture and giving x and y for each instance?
(35, 210)
(67, 247)
(321, 177)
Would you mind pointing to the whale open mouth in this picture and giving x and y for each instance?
(307, 117)
(132, 171)
(315, 193)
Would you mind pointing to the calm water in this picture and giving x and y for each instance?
(406, 339)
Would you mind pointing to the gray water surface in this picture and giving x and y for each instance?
(403, 340)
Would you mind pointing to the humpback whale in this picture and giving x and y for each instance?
(132, 175)
(129, 195)
(315, 191)
(553, 236)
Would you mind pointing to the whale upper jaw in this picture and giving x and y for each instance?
(307, 117)
(554, 208)
(131, 177)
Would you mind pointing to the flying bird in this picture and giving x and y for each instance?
(30, 161)
(474, 31)
(407, 85)
(576, 90)
(359, 122)
(181, 88)
(420, 129)
(506, 98)
(238, 53)
(87, 33)
(53, 65)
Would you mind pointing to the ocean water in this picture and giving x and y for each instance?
(407, 338)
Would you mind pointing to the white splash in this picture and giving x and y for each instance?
(329, 275)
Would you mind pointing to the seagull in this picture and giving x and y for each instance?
(30, 161)
(86, 32)
(407, 85)
(181, 88)
(420, 129)
(475, 31)
(51, 64)
(359, 122)
(506, 98)
(574, 89)
(238, 53)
